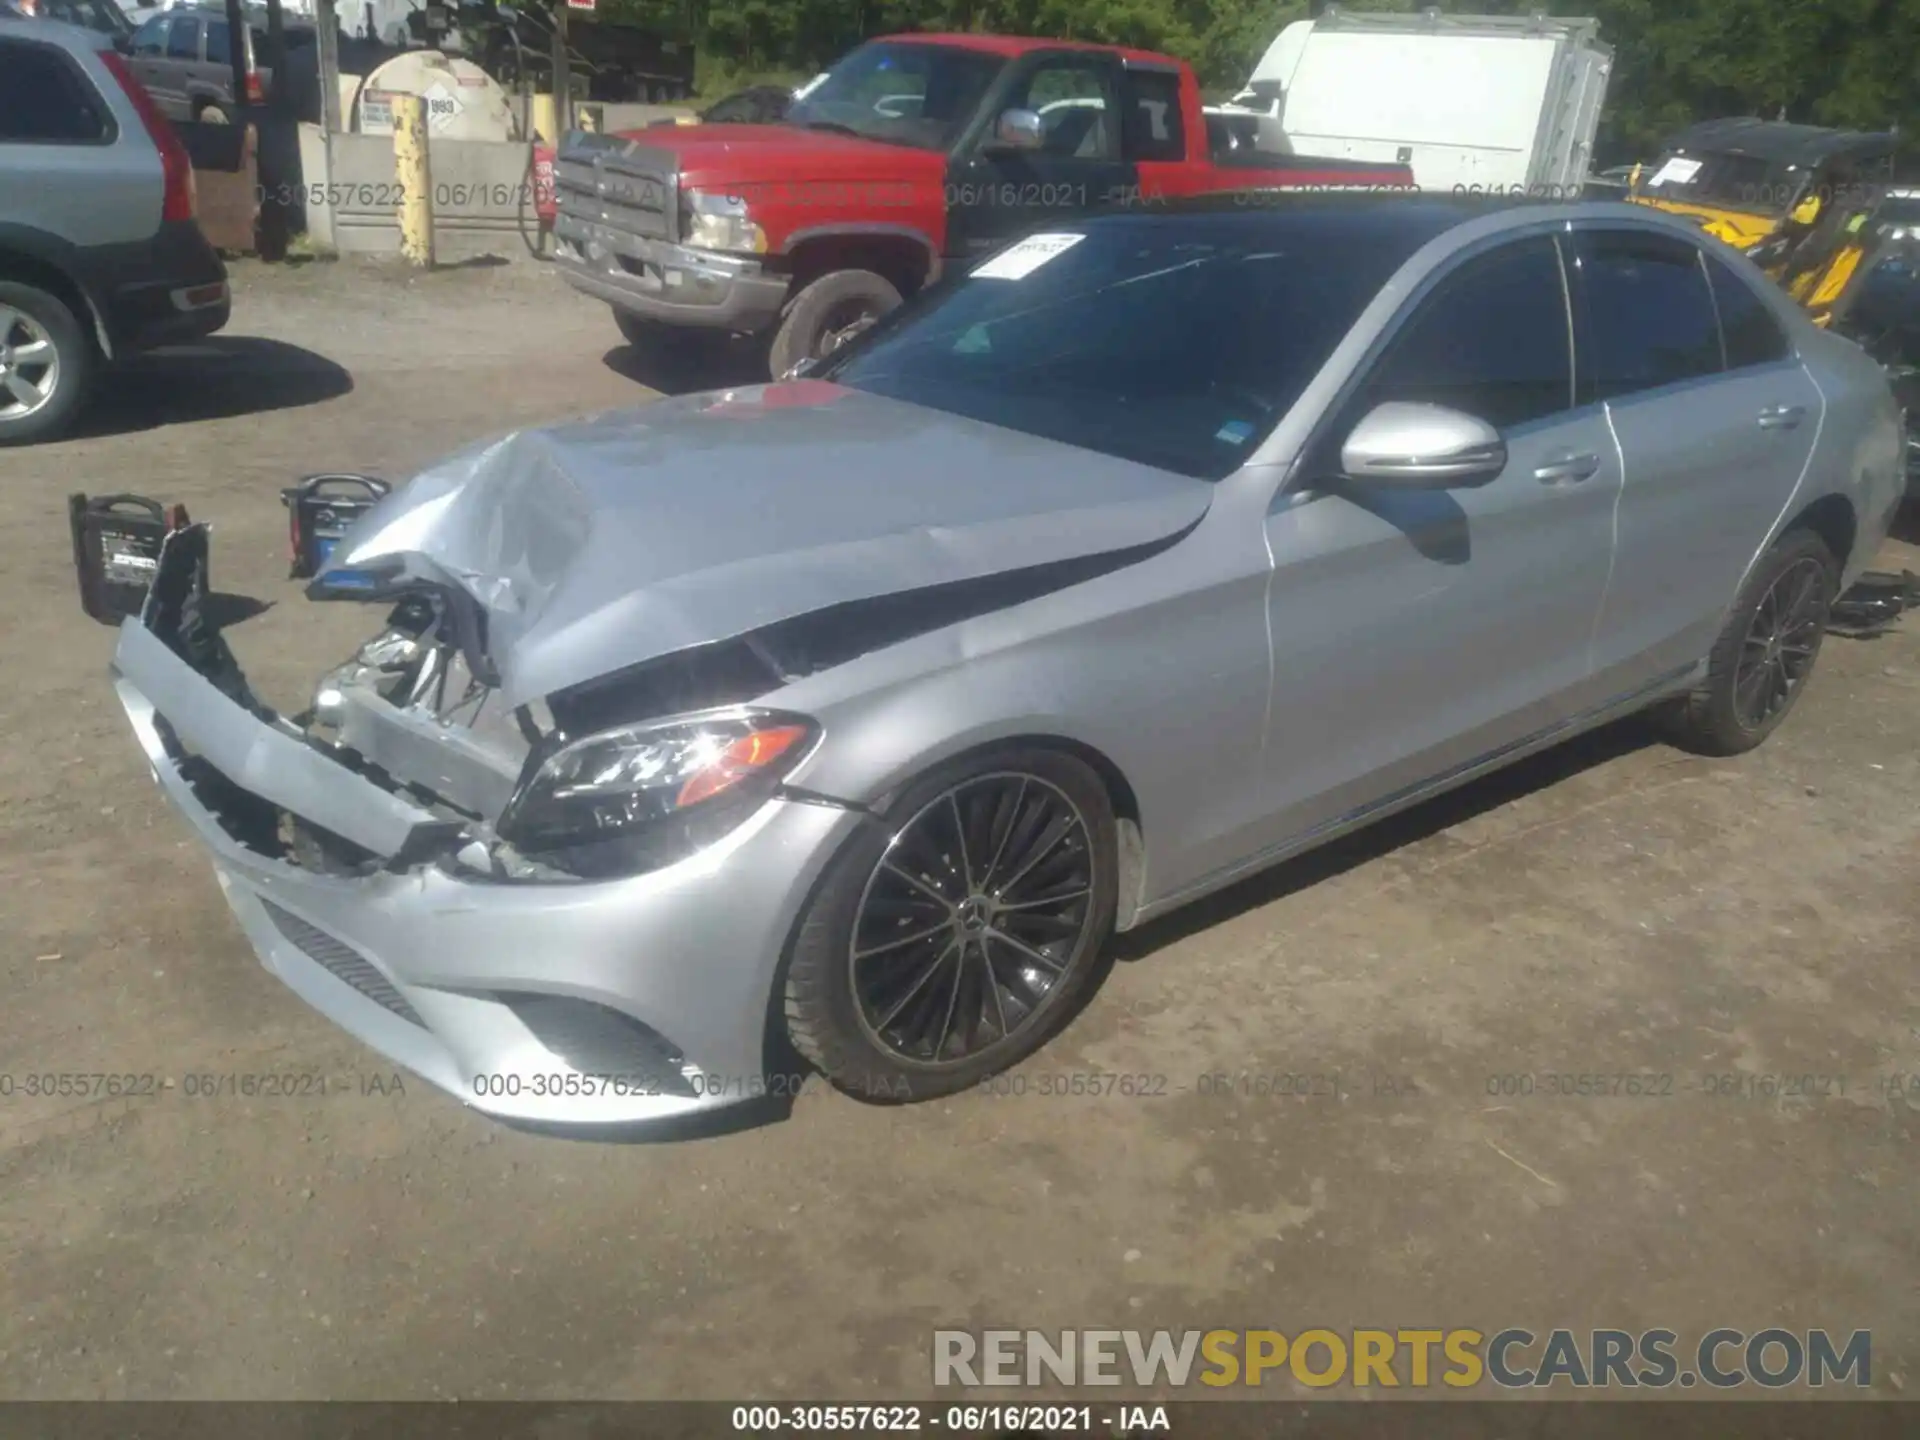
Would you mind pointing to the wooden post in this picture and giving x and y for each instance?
(237, 38)
(328, 39)
(562, 74)
(415, 178)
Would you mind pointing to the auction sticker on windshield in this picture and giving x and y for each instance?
(1677, 169)
(1017, 262)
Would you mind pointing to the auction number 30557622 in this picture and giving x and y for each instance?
(954, 1419)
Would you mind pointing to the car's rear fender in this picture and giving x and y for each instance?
(33, 257)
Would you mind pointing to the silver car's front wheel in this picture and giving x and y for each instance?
(45, 363)
(971, 918)
(953, 941)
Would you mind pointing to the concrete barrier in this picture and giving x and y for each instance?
(481, 189)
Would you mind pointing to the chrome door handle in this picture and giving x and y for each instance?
(1566, 470)
(1782, 417)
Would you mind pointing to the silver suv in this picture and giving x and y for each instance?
(100, 254)
(185, 58)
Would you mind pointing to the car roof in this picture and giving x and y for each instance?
(57, 32)
(1782, 142)
(1011, 46)
(1399, 220)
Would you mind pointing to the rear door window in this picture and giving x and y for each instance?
(1646, 313)
(44, 98)
(1491, 340)
(1753, 335)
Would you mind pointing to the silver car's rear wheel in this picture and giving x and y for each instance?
(1776, 654)
(46, 364)
(971, 919)
(1759, 667)
(956, 937)
(29, 365)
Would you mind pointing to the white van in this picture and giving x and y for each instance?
(1479, 103)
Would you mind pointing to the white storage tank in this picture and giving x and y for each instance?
(463, 101)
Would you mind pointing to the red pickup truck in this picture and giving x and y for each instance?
(914, 152)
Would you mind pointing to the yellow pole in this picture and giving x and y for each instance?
(414, 177)
(545, 120)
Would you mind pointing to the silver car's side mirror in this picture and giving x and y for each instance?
(1018, 130)
(1422, 447)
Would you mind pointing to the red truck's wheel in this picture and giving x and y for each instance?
(827, 313)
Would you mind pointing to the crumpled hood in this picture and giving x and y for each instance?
(596, 545)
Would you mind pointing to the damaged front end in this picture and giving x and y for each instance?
(414, 859)
(610, 780)
(551, 820)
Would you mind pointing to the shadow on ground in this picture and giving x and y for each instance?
(224, 608)
(1382, 838)
(212, 379)
(690, 362)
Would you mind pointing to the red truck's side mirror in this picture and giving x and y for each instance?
(1018, 130)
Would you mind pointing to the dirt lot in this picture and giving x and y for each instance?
(1613, 908)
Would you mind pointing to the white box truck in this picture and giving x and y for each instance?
(1498, 103)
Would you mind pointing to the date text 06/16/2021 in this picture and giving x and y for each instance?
(1106, 1420)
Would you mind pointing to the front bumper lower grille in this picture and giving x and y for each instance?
(343, 962)
(596, 1040)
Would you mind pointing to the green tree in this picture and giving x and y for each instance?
(1853, 63)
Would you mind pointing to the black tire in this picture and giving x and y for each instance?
(1006, 796)
(1776, 625)
(826, 312)
(75, 363)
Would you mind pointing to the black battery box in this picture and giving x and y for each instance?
(117, 541)
(319, 510)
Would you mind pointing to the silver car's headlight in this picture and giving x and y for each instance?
(710, 221)
(632, 799)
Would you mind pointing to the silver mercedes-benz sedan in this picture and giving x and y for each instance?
(858, 711)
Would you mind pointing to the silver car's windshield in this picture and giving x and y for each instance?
(1175, 341)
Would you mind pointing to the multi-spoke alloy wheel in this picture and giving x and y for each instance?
(954, 941)
(1760, 664)
(1780, 643)
(971, 917)
(46, 364)
(29, 365)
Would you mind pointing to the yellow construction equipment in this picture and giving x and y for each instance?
(1797, 198)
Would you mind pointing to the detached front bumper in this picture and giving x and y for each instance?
(664, 282)
(583, 1005)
